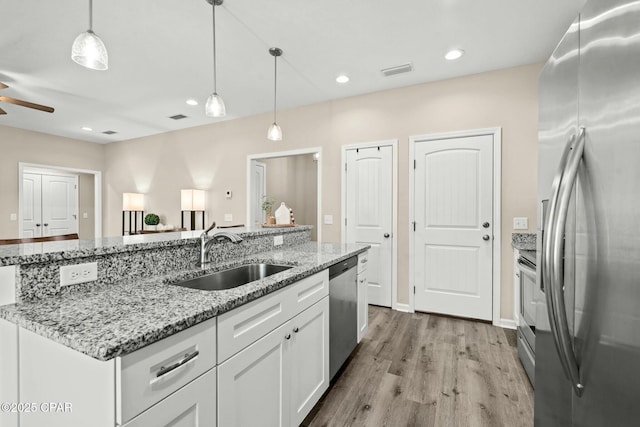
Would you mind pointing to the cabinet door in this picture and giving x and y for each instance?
(255, 382)
(194, 405)
(363, 305)
(309, 359)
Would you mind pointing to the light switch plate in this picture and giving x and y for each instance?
(278, 240)
(328, 219)
(13, 217)
(520, 223)
(78, 273)
(85, 215)
(228, 217)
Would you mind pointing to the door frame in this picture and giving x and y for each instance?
(311, 150)
(97, 189)
(264, 185)
(393, 143)
(496, 133)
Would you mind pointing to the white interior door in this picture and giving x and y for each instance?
(259, 189)
(31, 205)
(59, 205)
(453, 202)
(369, 214)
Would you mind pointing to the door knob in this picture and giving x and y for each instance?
(288, 336)
(486, 237)
(37, 225)
(386, 235)
(486, 225)
(296, 330)
(46, 225)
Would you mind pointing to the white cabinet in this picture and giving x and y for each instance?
(194, 405)
(277, 380)
(363, 302)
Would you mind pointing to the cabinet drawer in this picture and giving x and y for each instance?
(244, 325)
(152, 373)
(309, 291)
(192, 405)
(363, 260)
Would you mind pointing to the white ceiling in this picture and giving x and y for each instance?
(160, 54)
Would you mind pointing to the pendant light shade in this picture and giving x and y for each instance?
(215, 105)
(275, 133)
(88, 49)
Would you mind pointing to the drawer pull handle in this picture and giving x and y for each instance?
(288, 336)
(361, 280)
(187, 357)
(363, 260)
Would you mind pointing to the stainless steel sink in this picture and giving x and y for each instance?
(234, 277)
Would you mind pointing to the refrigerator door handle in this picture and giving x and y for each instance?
(552, 258)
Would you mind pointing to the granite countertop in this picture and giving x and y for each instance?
(29, 253)
(111, 320)
(524, 241)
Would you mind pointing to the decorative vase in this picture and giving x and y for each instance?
(271, 220)
(283, 216)
(152, 227)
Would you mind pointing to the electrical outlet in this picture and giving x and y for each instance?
(520, 223)
(85, 215)
(278, 240)
(13, 217)
(228, 217)
(328, 219)
(78, 273)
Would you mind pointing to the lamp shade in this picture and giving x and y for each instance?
(192, 200)
(215, 106)
(274, 133)
(132, 202)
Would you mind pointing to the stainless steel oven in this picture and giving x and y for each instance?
(529, 297)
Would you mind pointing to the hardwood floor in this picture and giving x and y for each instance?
(429, 370)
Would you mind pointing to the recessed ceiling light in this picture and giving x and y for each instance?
(87, 128)
(192, 102)
(454, 54)
(342, 78)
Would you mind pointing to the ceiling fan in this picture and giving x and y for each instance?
(21, 102)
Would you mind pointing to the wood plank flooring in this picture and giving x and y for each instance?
(428, 370)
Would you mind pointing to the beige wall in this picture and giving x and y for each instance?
(213, 157)
(294, 180)
(18, 145)
(86, 204)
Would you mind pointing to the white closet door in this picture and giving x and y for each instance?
(453, 230)
(59, 205)
(31, 205)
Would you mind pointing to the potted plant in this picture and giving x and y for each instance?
(151, 220)
(267, 207)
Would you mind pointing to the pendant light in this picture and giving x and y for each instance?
(215, 105)
(88, 49)
(275, 133)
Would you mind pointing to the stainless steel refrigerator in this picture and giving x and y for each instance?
(588, 322)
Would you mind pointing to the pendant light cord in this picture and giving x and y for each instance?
(275, 85)
(90, 15)
(214, 48)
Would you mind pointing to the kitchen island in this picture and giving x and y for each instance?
(81, 343)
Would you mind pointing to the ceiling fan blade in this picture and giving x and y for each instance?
(2, 112)
(3, 86)
(26, 104)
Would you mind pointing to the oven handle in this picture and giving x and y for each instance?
(553, 258)
(526, 268)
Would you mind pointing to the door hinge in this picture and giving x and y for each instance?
(75, 187)
(345, 221)
(414, 226)
(414, 290)
(345, 167)
(414, 163)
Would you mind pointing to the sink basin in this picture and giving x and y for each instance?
(234, 277)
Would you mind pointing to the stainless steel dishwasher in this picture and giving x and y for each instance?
(343, 312)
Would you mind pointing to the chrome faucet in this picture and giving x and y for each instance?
(219, 237)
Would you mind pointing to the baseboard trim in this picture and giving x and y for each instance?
(507, 324)
(403, 307)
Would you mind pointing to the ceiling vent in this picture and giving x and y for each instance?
(178, 117)
(109, 132)
(399, 69)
